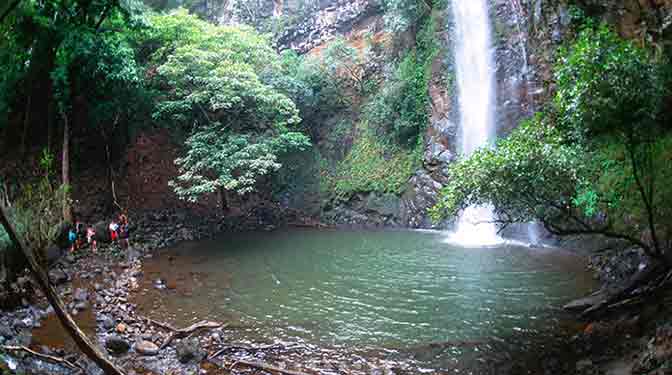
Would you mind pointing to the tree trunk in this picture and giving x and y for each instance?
(26, 125)
(50, 125)
(40, 275)
(67, 208)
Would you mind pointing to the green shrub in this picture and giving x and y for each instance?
(606, 84)
(372, 165)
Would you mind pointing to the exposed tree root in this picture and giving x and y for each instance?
(643, 284)
(46, 357)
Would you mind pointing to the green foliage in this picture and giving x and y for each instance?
(211, 86)
(347, 66)
(218, 159)
(37, 211)
(401, 108)
(400, 15)
(528, 172)
(306, 81)
(372, 165)
(606, 84)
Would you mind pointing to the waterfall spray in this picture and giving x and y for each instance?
(476, 90)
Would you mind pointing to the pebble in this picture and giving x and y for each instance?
(147, 348)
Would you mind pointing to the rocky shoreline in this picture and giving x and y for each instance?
(100, 285)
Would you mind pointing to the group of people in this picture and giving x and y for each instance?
(118, 230)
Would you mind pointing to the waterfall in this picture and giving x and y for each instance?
(476, 90)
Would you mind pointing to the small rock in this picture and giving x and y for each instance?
(121, 328)
(97, 287)
(146, 348)
(116, 344)
(70, 258)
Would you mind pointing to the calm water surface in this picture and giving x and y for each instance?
(365, 291)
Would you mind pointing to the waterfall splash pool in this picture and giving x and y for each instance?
(405, 297)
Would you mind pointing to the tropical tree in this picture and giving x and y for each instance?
(238, 124)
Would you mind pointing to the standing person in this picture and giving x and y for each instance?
(91, 239)
(124, 235)
(79, 234)
(114, 227)
(72, 239)
(123, 230)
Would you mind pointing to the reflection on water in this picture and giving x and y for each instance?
(396, 292)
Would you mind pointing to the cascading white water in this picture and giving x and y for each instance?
(476, 90)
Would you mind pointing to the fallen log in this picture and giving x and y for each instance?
(184, 332)
(46, 357)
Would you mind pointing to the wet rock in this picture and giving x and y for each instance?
(81, 306)
(107, 323)
(70, 259)
(189, 350)
(25, 323)
(57, 276)
(147, 348)
(80, 295)
(6, 332)
(121, 328)
(116, 344)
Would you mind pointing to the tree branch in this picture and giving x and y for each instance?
(647, 199)
(9, 10)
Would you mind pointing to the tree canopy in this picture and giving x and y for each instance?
(210, 80)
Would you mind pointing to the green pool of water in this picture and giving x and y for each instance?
(370, 290)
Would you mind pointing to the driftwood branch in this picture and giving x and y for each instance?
(42, 278)
(184, 332)
(46, 357)
(265, 367)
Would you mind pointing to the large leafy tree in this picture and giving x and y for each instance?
(238, 124)
(596, 163)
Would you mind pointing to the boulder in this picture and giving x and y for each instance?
(53, 254)
(116, 344)
(102, 233)
(147, 348)
(188, 350)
